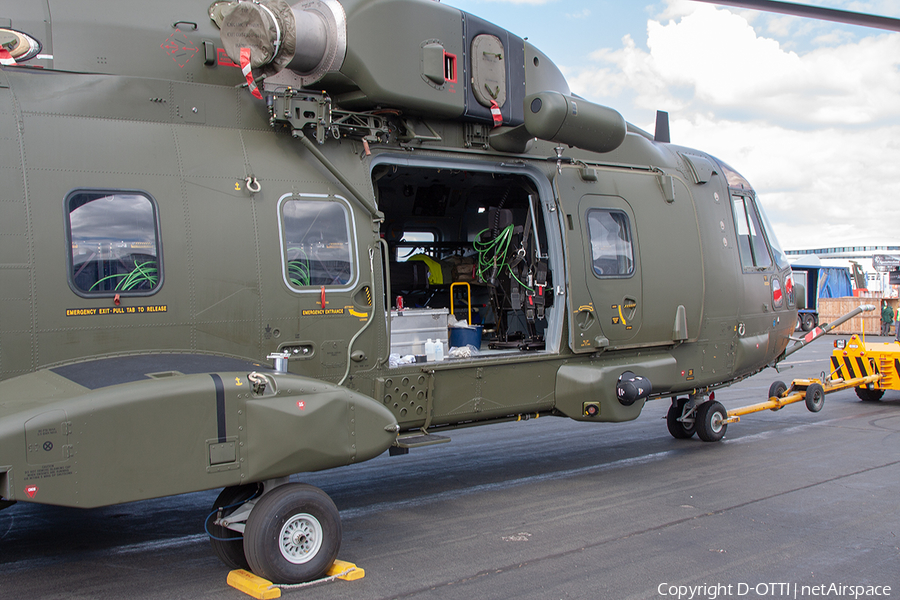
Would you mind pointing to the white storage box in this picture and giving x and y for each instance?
(412, 327)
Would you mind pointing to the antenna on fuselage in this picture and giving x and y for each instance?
(662, 127)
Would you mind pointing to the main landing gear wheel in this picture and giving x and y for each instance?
(680, 430)
(710, 421)
(815, 397)
(867, 395)
(227, 544)
(293, 534)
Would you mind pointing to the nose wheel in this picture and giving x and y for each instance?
(687, 416)
(711, 421)
(681, 419)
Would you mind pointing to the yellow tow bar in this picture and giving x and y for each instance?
(811, 390)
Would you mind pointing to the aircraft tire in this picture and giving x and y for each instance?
(867, 395)
(710, 421)
(293, 534)
(815, 397)
(227, 544)
(679, 429)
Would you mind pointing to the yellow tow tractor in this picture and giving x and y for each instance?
(870, 369)
(877, 364)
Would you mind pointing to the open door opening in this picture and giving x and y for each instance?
(467, 245)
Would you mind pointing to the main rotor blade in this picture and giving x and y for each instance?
(814, 12)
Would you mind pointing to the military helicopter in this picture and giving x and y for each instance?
(230, 245)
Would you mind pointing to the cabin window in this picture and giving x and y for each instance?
(114, 243)
(415, 242)
(750, 239)
(316, 242)
(611, 248)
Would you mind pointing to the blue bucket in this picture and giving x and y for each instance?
(460, 337)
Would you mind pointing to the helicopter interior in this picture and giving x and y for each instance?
(472, 243)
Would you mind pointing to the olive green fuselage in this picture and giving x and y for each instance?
(115, 394)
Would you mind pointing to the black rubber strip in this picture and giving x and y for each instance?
(220, 406)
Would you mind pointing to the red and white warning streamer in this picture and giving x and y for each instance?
(248, 73)
(496, 114)
(6, 58)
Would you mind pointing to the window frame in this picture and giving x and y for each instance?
(751, 251)
(350, 222)
(778, 255)
(70, 263)
(628, 233)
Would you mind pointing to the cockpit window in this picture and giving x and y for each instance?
(114, 243)
(750, 239)
(780, 257)
(734, 179)
(316, 249)
(611, 250)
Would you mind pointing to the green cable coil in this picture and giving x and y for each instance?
(298, 269)
(493, 254)
(143, 273)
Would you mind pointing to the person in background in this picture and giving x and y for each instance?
(897, 328)
(887, 318)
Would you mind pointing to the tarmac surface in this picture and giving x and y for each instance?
(791, 504)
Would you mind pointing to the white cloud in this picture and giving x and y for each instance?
(820, 186)
(582, 14)
(815, 131)
(714, 58)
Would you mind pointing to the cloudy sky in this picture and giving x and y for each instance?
(808, 111)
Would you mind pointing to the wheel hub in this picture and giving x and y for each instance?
(301, 538)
